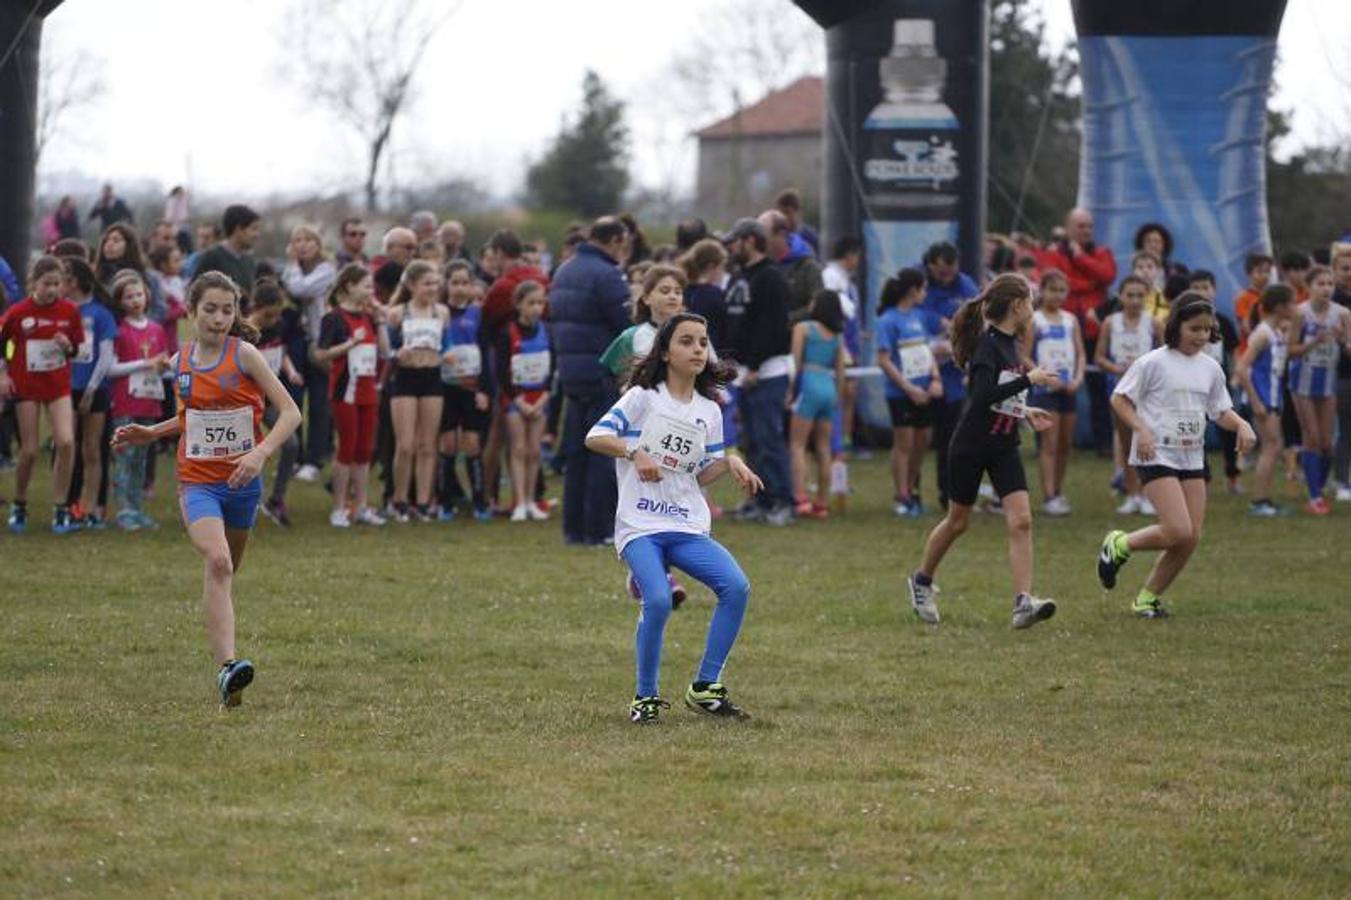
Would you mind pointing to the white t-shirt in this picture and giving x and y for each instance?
(836, 279)
(1174, 394)
(684, 438)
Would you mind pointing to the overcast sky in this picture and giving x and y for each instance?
(195, 99)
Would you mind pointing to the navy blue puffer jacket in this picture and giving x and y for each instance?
(588, 308)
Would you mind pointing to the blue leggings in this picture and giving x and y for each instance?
(705, 560)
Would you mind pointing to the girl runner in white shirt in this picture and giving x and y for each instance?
(666, 433)
(1165, 398)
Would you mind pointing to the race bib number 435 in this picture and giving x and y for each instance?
(675, 445)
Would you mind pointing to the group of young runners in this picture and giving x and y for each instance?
(1020, 355)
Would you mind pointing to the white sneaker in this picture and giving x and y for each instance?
(1056, 506)
(537, 513)
(520, 514)
(1031, 610)
(307, 473)
(1344, 493)
(340, 519)
(1146, 508)
(901, 510)
(1130, 506)
(368, 516)
(922, 600)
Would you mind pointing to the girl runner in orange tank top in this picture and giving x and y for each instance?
(221, 382)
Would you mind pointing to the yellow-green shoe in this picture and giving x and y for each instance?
(711, 700)
(1110, 560)
(645, 710)
(1150, 609)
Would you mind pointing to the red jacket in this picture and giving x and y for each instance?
(1090, 273)
(497, 305)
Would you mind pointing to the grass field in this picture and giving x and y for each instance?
(441, 710)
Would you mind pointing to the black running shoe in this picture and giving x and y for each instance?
(645, 710)
(234, 676)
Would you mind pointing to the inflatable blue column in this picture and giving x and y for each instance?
(907, 105)
(1174, 106)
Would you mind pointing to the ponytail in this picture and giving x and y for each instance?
(82, 273)
(348, 275)
(897, 286)
(245, 330)
(967, 327)
(991, 306)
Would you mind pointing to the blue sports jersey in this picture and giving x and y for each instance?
(464, 367)
(904, 335)
(941, 301)
(1315, 373)
(464, 324)
(99, 326)
(1268, 369)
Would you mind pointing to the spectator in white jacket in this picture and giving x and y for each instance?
(307, 278)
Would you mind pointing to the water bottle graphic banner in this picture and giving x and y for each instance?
(1174, 133)
(905, 149)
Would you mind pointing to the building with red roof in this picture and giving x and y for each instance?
(746, 158)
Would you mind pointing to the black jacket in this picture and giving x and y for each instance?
(757, 314)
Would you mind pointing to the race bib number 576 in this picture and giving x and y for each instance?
(219, 433)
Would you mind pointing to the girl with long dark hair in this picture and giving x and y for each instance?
(666, 433)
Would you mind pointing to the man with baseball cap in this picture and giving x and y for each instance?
(757, 321)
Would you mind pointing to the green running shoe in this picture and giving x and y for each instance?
(645, 710)
(1110, 560)
(712, 701)
(1150, 609)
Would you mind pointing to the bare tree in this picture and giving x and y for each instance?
(358, 60)
(69, 79)
(741, 52)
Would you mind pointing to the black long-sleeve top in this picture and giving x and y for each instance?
(757, 315)
(980, 427)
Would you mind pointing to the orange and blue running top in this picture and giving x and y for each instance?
(220, 412)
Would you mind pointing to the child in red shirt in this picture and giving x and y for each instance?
(352, 344)
(142, 349)
(46, 332)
